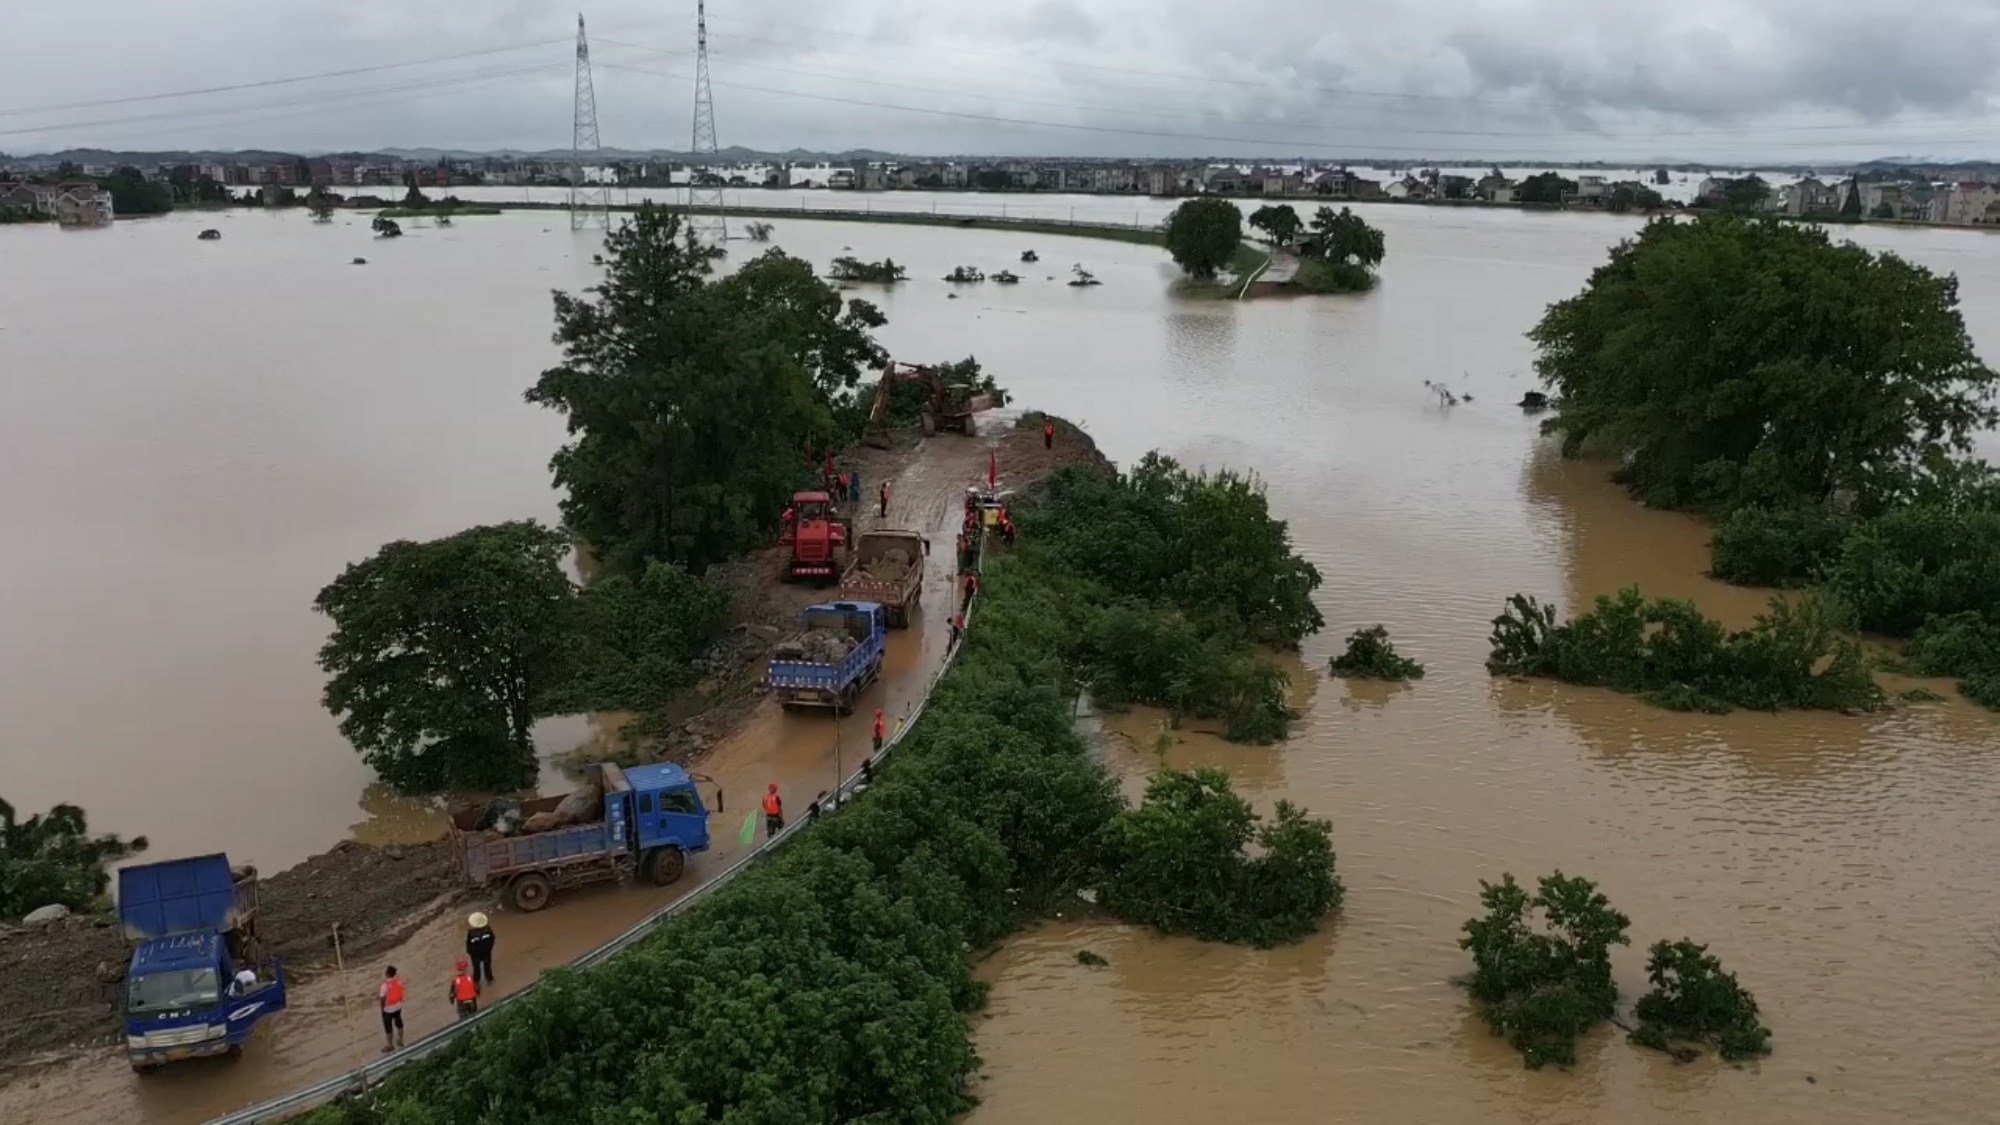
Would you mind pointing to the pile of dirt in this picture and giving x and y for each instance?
(57, 982)
(819, 646)
(892, 565)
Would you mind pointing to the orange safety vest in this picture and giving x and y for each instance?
(771, 805)
(463, 988)
(879, 727)
(392, 994)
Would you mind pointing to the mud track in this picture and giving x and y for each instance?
(59, 1028)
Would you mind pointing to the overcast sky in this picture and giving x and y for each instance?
(1729, 81)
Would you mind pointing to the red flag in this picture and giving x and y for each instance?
(827, 474)
(992, 469)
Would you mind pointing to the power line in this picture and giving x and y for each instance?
(1269, 144)
(326, 100)
(1902, 131)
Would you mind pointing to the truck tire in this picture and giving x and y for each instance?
(665, 866)
(529, 892)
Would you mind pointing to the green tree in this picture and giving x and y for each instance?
(1542, 986)
(1345, 236)
(133, 194)
(1670, 358)
(1203, 234)
(52, 858)
(414, 198)
(319, 207)
(1546, 187)
(1693, 1000)
(695, 406)
(1746, 195)
(442, 653)
(1278, 221)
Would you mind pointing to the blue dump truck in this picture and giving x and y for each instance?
(193, 927)
(833, 660)
(623, 822)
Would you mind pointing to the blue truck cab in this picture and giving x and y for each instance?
(652, 818)
(192, 924)
(814, 683)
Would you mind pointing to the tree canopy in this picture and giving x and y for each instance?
(133, 194)
(1279, 222)
(1203, 234)
(1737, 361)
(442, 652)
(52, 859)
(1341, 252)
(1546, 187)
(695, 405)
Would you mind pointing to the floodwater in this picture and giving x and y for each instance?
(198, 435)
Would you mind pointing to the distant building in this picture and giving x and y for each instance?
(82, 204)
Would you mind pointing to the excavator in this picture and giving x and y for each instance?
(949, 407)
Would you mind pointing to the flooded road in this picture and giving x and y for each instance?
(195, 437)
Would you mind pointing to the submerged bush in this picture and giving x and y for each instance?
(1542, 986)
(1137, 655)
(1694, 1001)
(1179, 864)
(1956, 644)
(1759, 546)
(1793, 657)
(1370, 656)
(1902, 568)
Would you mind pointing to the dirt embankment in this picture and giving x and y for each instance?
(58, 990)
(54, 995)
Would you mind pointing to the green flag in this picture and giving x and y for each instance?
(749, 834)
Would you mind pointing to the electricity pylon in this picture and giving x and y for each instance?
(589, 203)
(705, 215)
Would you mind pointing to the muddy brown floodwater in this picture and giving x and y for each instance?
(192, 478)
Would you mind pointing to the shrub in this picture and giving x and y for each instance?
(1900, 568)
(1140, 655)
(1758, 546)
(1370, 656)
(1792, 658)
(1178, 864)
(1956, 644)
(635, 641)
(1694, 1001)
(52, 859)
(1543, 987)
(884, 272)
(1322, 276)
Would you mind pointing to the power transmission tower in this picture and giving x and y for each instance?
(589, 204)
(705, 215)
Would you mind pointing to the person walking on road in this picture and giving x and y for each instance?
(391, 995)
(1048, 435)
(774, 812)
(957, 627)
(881, 728)
(479, 948)
(971, 587)
(885, 499)
(854, 486)
(464, 992)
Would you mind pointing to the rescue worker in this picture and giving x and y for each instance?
(957, 627)
(885, 499)
(479, 948)
(391, 996)
(971, 587)
(840, 493)
(464, 992)
(774, 812)
(787, 518)
(854, 487)
(881, 729)
(1007, 532)
(959, 555)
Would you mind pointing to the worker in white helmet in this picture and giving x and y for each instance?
(479, 948)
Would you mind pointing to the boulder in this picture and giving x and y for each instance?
(581, 807)
(53, 912)
(540, 822)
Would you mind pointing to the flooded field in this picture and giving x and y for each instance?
(195, 437)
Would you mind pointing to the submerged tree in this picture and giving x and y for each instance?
(1694, 1001)
(1278, 221)
(1543, 985)
(442, 652)
(1203, 234)
(52, 859)
(1370, 656)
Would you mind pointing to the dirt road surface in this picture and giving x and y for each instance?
(331, 1025)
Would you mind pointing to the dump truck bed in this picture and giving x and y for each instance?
(196, 895)
(485, 856)
(888, 568)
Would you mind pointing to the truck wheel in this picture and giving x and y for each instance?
(665, 866)
(530, 892)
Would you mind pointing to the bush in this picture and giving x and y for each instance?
(1900, 568)
(1956, 644)
(1793, 658)
(636, 641)
(1178, 864)
(1138, 655)
(1322, 276)
(1758, 546)
(1370, 656)
(1543, 987)
(52, 859)
(1694, 1001)
(884, 272)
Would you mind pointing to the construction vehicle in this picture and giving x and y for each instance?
(817, 536)
(948, 407)
(192, 924)
(833, 660)
(645, 820)
(887, 568)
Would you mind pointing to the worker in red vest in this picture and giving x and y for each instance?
(971, 588)
(774, 811)
(880, 730)
(392, 1010)
(957, 627)
(464, 992)
(1007, 532)
(1048, 435)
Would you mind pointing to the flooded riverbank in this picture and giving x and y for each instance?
(237, 440)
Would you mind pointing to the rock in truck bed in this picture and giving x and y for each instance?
(818, 646)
